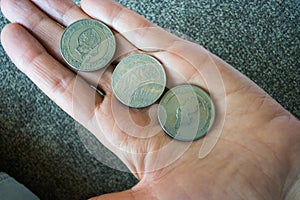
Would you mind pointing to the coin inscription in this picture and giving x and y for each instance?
(88, 45)
(138, 80)
(186, 113)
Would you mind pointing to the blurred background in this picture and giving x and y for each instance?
(41, 146)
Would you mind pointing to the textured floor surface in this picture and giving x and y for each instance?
(42, 147)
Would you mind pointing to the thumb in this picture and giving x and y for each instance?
(125, 195)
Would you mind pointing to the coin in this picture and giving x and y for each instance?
(87, 45)
(138, 80)
(186, 113)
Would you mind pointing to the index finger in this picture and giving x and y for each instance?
(135, 28)
(65, 12)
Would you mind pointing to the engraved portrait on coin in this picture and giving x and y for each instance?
(88, 45)
(87, 42)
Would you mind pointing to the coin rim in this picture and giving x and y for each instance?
(151, 57)
(102, 25)
(213, 111)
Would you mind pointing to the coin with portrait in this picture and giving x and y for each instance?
(186, 113)
(138, 80)
(88, 45)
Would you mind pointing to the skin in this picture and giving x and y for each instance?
(252, 156)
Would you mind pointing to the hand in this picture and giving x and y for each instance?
(252, 152)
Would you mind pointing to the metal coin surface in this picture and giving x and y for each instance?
(88, 45)
(138, 80)
(186, 113)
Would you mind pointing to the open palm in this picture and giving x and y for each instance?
(251, 152)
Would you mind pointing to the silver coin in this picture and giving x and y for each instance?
(88, 45)
(186, 113)
(138, 80)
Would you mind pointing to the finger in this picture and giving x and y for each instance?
(44, 28)
(65, 88)
(139, 31)
(66, 12)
